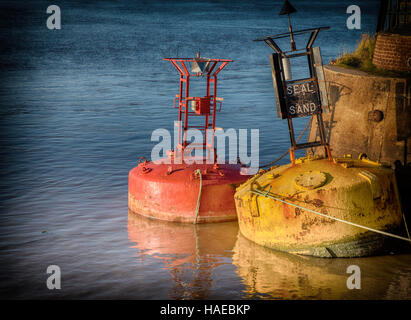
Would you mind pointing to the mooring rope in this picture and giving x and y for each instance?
(266, 194)
(198, 171)
(406, 227)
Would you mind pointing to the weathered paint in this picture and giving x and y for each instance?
(170, 191)
(277, 275)
(351, 126)
(347, 195)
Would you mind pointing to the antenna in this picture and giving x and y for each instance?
(288, 9)
(297, 98)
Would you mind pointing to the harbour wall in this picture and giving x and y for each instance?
(368, 114)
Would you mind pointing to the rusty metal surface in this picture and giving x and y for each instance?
(174, 191)
(170, 191)
(371, 201)
(205, 106)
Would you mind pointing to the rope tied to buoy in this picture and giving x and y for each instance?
(198, 172)
(267, 195)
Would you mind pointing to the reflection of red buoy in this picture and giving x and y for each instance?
(189, 191)
(190, 253)
(179, 244)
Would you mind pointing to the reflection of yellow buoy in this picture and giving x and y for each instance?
(270, 274)
(275, 208)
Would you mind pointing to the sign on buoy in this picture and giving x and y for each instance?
(298, 97)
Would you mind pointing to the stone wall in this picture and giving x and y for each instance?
(368, 114)
(393, 52)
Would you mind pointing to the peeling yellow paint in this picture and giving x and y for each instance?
(345, 194)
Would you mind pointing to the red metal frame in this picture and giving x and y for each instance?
(184, 99)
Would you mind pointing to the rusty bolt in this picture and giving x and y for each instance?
(375, 115)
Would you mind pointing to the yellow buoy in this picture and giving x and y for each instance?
(275, 208)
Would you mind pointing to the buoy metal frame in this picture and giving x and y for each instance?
(201, 106)
(182, 189)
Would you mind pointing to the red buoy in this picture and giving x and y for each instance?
(179, 188)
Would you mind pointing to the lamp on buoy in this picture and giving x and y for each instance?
(186, 188)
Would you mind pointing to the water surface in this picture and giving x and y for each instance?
(77, 108)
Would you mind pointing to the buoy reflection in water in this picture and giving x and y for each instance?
(214, 261)
(272, 274)
(189, 252)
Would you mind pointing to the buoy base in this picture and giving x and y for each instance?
(290, 212)
(171, 191)
(145, 208)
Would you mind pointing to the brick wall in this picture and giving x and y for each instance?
(392, 52)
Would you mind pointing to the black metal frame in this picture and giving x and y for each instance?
(279, 84)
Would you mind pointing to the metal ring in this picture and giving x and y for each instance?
(362, 155)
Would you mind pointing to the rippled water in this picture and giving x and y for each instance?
(77, 108)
